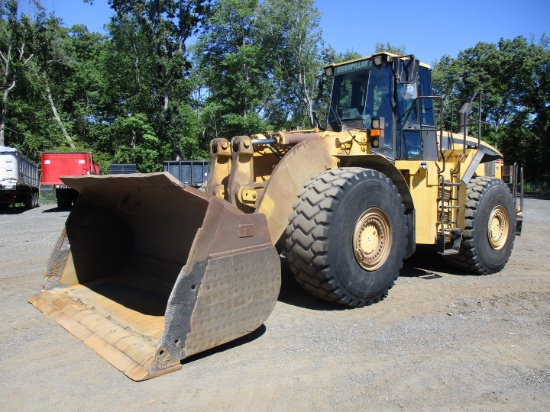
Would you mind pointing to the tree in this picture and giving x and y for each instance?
(135, 142)
(52, 65)
(149, 69)
(70, 80)
(514, 74)
(16, 32)
(232, 65)
(291, 33)
(259, 62)
(49, 97)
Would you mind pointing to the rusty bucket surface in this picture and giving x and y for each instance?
(148, 271)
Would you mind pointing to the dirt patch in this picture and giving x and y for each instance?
(440, 340)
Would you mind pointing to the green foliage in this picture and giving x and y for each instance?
(291, 32)
(135, 95)
(17, 33)
(133, 140)
(517, 108)
(231, 66)
(148, 58)
(258, 63)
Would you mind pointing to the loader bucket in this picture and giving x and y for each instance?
(149, 271)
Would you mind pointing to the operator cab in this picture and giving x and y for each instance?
(390, 93)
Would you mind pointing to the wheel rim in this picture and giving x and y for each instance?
(498, 228)
(372, 239)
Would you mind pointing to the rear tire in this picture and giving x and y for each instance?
(489, 232)
(347, 236)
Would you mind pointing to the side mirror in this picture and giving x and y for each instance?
(319, 90)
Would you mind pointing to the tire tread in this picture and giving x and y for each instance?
(468, 258)
(306, 236)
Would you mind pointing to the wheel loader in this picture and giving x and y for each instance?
(149, 271)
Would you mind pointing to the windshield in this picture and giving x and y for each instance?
(363, 91)
(348, 98)
(360, 95)
(349, 95)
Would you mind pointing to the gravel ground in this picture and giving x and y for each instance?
(441, 340)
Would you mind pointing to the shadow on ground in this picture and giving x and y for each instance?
(425, 264)
(226, 346)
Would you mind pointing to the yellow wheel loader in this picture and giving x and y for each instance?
(149, 271)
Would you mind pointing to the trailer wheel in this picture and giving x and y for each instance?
(347, 236)
(31, 200)
(64, 204)
(489, 232)
(28, 201)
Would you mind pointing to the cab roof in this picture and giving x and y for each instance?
(383, 53)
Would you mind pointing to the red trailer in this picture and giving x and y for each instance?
(55, 165)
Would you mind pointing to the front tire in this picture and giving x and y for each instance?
(347, 236)
(489, 232)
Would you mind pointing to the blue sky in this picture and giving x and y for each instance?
(427, 28)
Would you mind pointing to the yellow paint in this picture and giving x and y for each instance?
(267, 206)
(423, 186)
(68, 273)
